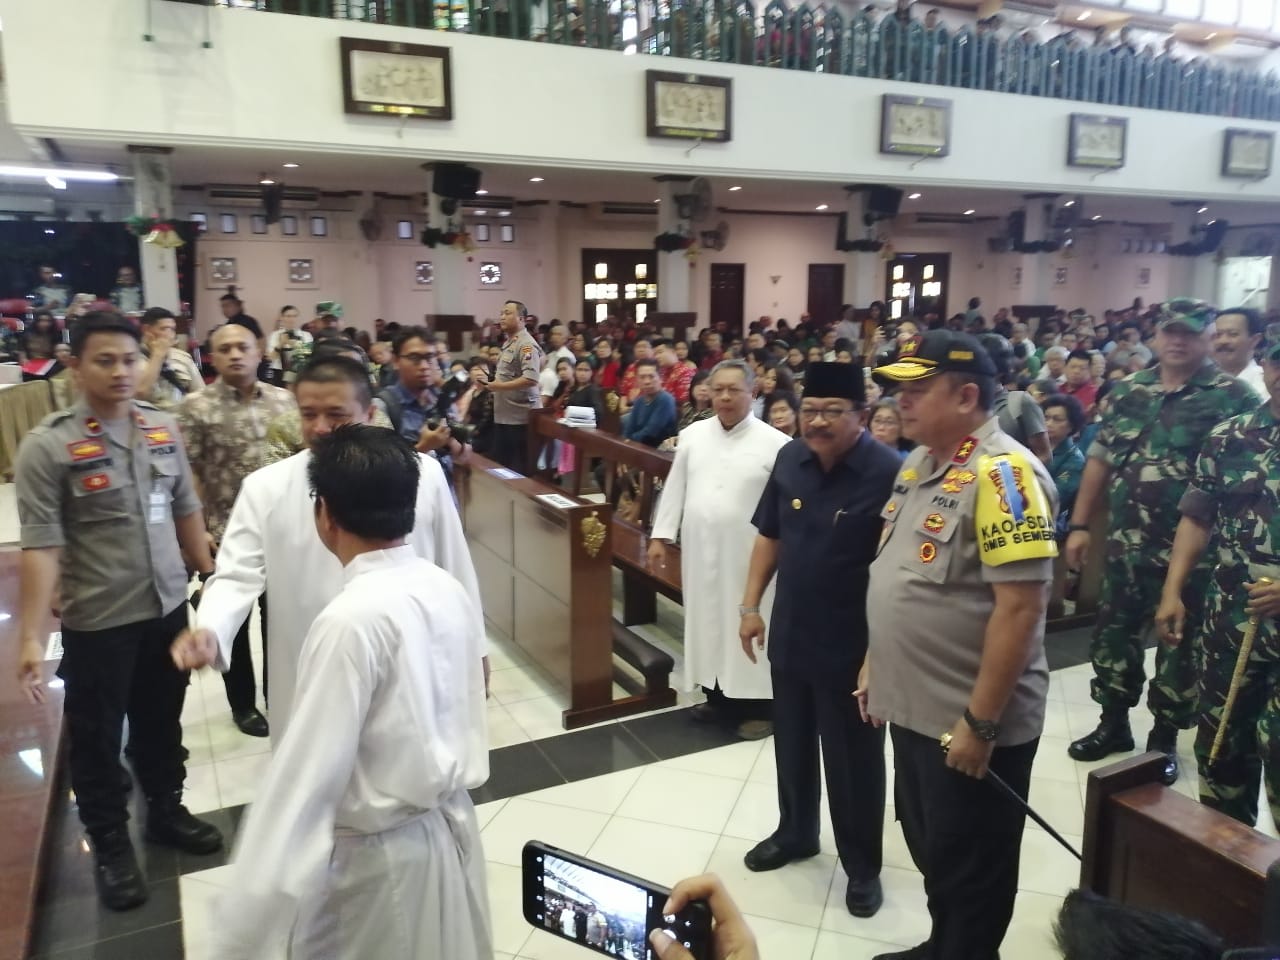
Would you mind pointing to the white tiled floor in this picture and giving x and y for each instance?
(703, 812)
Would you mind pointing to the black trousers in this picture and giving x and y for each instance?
(111, 674)
(806, 711)
(511, 446)
(242, 691)
(965, 836)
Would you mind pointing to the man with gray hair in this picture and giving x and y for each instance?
(720, 471)
(1055, 364)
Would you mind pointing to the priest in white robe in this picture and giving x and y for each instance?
(271, 543)
(721, 467)
(367, 848)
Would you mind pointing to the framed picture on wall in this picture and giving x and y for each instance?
(423, 273)
(1017, 277)
(222, 270)
(507, 232)
(1097, 142)
(301, 274)
(686, 106)
(396, 79)
(1144, 276)
(289, 226)
(258, 223)
(1247, 153)
(491, 277)
(482, 233)
(917, 126)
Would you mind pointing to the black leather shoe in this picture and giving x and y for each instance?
(170, 824)
(116, 873)
(768, 854)
(1164, 738)
(1112, 735)
(705, 713)
(251, 722)
(864, 898)
(921, 951)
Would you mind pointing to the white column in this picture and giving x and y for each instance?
(153, 197)
(1183, 270)
(1037, 284)
(675, 283)
(546, 298)
(862, 268)
(452, 275)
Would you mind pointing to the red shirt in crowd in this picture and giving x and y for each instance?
(711, 358)
(607, 376)
(677, 381)
(1086, 393)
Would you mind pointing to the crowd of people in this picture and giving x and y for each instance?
(869, 512)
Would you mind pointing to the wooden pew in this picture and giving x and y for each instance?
(1147, 845)
(641, 583)
(30, 749)
(543, 561)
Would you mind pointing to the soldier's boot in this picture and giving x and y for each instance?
(1112, 735)
(170, 824)
(1164, 738)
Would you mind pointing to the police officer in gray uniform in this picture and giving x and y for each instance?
(105, 498)
(514, 389)
(956, 661)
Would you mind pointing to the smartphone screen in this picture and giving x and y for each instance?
(603, 909)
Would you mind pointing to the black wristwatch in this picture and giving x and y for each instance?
(986, 730)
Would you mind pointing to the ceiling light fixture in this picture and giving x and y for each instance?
(481, 213)
(504, 213)
(267, 182)
(482, 193)
(56, 182)
(41, 173)
(536, 179)
(1069, 203)
(915, 196)
(970, 213)
(1096, 216)
(659, 200)
(1203, 210)
(821, 206)
(289, 166)
(734, 189)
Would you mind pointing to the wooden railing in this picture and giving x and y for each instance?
(818, 39)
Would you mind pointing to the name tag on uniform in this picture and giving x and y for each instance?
(158, 507)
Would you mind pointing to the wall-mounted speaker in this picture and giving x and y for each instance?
(456, 180)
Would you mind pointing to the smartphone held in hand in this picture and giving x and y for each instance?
(603, 909)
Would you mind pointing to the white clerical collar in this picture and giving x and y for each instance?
(376, 560)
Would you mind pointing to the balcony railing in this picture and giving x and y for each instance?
(818, 39)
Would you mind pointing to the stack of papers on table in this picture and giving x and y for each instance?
(580, 416)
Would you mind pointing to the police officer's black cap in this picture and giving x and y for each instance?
(938, 351)
(843, 381)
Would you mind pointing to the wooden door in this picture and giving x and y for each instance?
(728, 294)
(826, 292)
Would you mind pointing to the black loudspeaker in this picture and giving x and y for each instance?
(1213, 235)
(456, 180)
(273, 201)
(883, 202)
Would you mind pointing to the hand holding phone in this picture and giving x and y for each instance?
(731, 938)
(611, 912)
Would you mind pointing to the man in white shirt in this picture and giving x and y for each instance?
(1236, 335)
(368, 849)
(720, 471)
(270, 542)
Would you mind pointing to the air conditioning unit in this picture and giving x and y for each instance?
(229, 195)
(608, 212)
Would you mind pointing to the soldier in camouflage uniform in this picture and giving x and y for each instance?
(1155, 423)
(1234, 501)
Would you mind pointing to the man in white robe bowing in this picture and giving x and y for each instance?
(363, 843)
(721, 467)
(271, 544)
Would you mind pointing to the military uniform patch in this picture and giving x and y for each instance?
(934, 523)
(158, 436)
(965, 450)
(957, 480)
(86, 450)
(909, 475)
(928, 552)
(95, 482)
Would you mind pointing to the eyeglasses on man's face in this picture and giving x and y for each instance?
(829, 414)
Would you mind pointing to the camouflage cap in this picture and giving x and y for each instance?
(1191, 314)
(1271, 345)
